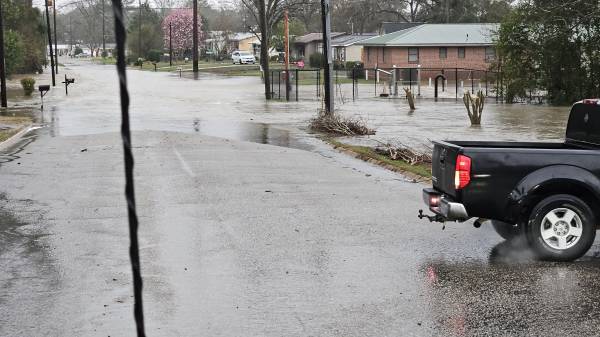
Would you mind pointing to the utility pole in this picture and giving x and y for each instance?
(326, 22)
(195, 53)
(264, 48)
(70, 33)
(170, 44)
(286, 50)
(103, 32)
(2, 63)
(140, 29)
(55, 39)
(50, 43)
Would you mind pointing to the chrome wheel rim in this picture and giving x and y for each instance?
(561, 228)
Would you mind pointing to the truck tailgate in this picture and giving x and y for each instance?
(443, 166)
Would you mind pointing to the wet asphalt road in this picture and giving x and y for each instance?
(240, 238)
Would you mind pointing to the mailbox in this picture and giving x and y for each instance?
(68, 81)
(44, 88)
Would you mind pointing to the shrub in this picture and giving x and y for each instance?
(28, 85)
(274, 58)
(104, 54)
(352, 64)
(77, 51)
(138, 62)
(357, 67)
(338, 65)
(335, 124)
(316, 60)
(154, 55)
(14, 52)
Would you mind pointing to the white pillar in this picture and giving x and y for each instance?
(419, 80)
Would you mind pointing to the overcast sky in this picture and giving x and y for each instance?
(60, 3)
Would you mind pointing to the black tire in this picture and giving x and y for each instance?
(547, 249)
(505, 230)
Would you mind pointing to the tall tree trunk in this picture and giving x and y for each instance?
(264, 47)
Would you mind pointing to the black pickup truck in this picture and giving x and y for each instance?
(547, 192)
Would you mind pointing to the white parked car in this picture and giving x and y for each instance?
(242, 57)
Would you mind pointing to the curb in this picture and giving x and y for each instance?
(16, 137)
(415, 177)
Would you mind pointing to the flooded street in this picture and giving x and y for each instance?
(251, 226)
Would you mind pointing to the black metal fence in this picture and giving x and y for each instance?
(357, 83)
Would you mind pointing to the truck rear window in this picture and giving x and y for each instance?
(584, 123)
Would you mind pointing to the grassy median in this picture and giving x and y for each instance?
(369, 154)
(15, 125)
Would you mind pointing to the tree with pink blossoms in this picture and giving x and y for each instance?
(182, 25)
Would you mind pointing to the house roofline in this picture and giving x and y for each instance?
(429, 45)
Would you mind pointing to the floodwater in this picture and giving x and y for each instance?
(260, 133)
(163, 101)
(448, 120)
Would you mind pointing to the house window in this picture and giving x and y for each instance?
(443, 52)
(461, 52)
(413, 54)
(490, 54)
(383, 55)
(368, 53)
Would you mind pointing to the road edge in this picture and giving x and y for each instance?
(12, 140)
(348, 151)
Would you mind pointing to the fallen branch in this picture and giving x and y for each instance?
(338, 125)
(404, 153)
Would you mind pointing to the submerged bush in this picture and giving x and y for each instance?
(339, 125)
(28, 85)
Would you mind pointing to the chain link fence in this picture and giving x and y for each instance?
(352, 84)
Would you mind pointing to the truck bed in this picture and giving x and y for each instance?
(498, 167)
(513, 145)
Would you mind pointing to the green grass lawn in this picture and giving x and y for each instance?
(16, 125)
(364, 152)
(228, 69)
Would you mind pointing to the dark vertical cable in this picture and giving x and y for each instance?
(3, 102)
(55, 38)
(129, 190)
(195, 37)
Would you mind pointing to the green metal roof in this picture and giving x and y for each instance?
(463, 34)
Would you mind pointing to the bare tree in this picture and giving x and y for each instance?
(405, 10)
(266, 14)
(91, 15)
(308, 14)
(356, 16)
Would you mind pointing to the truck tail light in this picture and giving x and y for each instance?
(462, 175)
(434, 200)
(591, 101)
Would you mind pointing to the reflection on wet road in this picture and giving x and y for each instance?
(242, 239)
(260, 133)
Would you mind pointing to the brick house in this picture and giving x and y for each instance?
(468, 46)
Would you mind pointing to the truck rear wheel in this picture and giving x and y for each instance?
(505, 230)
(561, 228)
